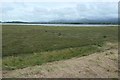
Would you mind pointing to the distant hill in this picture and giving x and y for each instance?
(77, 21)
(89, 21)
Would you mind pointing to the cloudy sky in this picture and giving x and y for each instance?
(47, 11)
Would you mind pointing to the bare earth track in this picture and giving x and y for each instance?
(98, 65)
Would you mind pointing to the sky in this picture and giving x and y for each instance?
(64, 10)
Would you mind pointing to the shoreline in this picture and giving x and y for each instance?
(63, 25)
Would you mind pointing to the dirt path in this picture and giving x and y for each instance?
(98, 65)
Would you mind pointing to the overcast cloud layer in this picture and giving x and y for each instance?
(47, 11)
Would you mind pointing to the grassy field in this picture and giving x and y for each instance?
(29, 45)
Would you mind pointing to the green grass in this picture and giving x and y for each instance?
(25, 46)
(12, 63)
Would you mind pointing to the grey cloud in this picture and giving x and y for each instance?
(49, 11)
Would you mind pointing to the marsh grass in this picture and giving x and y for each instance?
(12, 63)
(25, 46)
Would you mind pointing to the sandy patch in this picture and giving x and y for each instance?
(98, 65)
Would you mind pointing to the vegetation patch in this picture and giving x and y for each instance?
(30, 45)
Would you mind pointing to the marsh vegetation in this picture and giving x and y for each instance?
(25, 45)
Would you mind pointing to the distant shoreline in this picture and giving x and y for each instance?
(60, 24)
